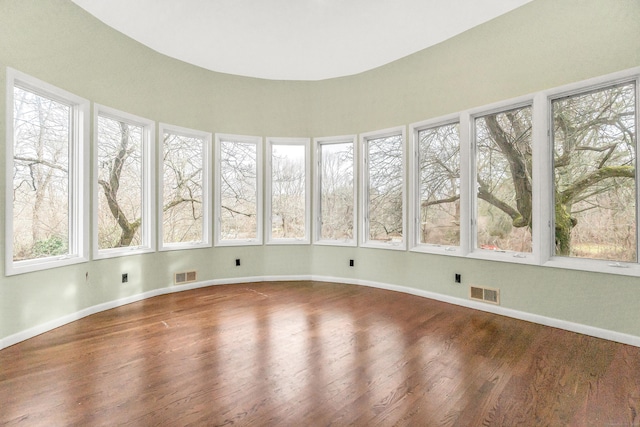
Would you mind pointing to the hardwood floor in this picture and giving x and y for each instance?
(314, 354)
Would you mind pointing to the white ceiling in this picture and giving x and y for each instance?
(293, 39)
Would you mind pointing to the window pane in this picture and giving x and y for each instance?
(41, 186)
(504, 177)
(238, 190)
(288, 191)
(336, 191)
(594, 171)
(385, 188)
(439, 174)
(119, 172)
(182, 203)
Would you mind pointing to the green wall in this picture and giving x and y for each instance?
(544, 44)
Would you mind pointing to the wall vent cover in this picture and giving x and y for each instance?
(185, 277)
(484, 294)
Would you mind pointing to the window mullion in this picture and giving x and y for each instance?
(467, 168)
(543, 183)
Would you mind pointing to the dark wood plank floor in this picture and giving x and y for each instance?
(314, 354)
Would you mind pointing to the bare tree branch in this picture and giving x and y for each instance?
(578, 187)
(33, 161)
(440, 201)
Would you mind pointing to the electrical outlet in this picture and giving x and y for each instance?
(458, 278)
(237, 262)
(125, 277)
(351, 263)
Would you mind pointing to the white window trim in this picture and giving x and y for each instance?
(364, 180)
(206, 187)
(257, 141)
(547, 97)
(306, 142)
(414, 188)
(148, 229)
(542, 187)
(505, 255)
(79, 176)
(318, 143)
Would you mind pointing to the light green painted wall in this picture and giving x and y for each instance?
(544, 44)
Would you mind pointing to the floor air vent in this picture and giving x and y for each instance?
(186, 277)
(485, 294)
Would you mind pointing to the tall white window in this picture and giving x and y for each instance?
(288, 190)
(238, 203)
(47, 159)
(504, 181)
(184, 213)
(383, 189)
(124, 202)
(594, 135)
(436, 175)
(336, 195)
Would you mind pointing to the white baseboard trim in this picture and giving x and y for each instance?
(508, 312)
(61, 321)
(534, 318)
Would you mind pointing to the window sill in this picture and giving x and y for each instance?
(438, 250)
(30, 266)
(595, 266)
(238, 242)
(289, 242)
(345, 243)
(396, 246)
(504, 256)
(183, 246)
(120, 252)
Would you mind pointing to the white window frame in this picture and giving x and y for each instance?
(245, 139)
(532, 257)
(78, 175)
(318, 143)
(414, 186)
(306, 143)
(548, 213)
(148, 228)
(364, 180)
(206, 187)
(543, 211)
